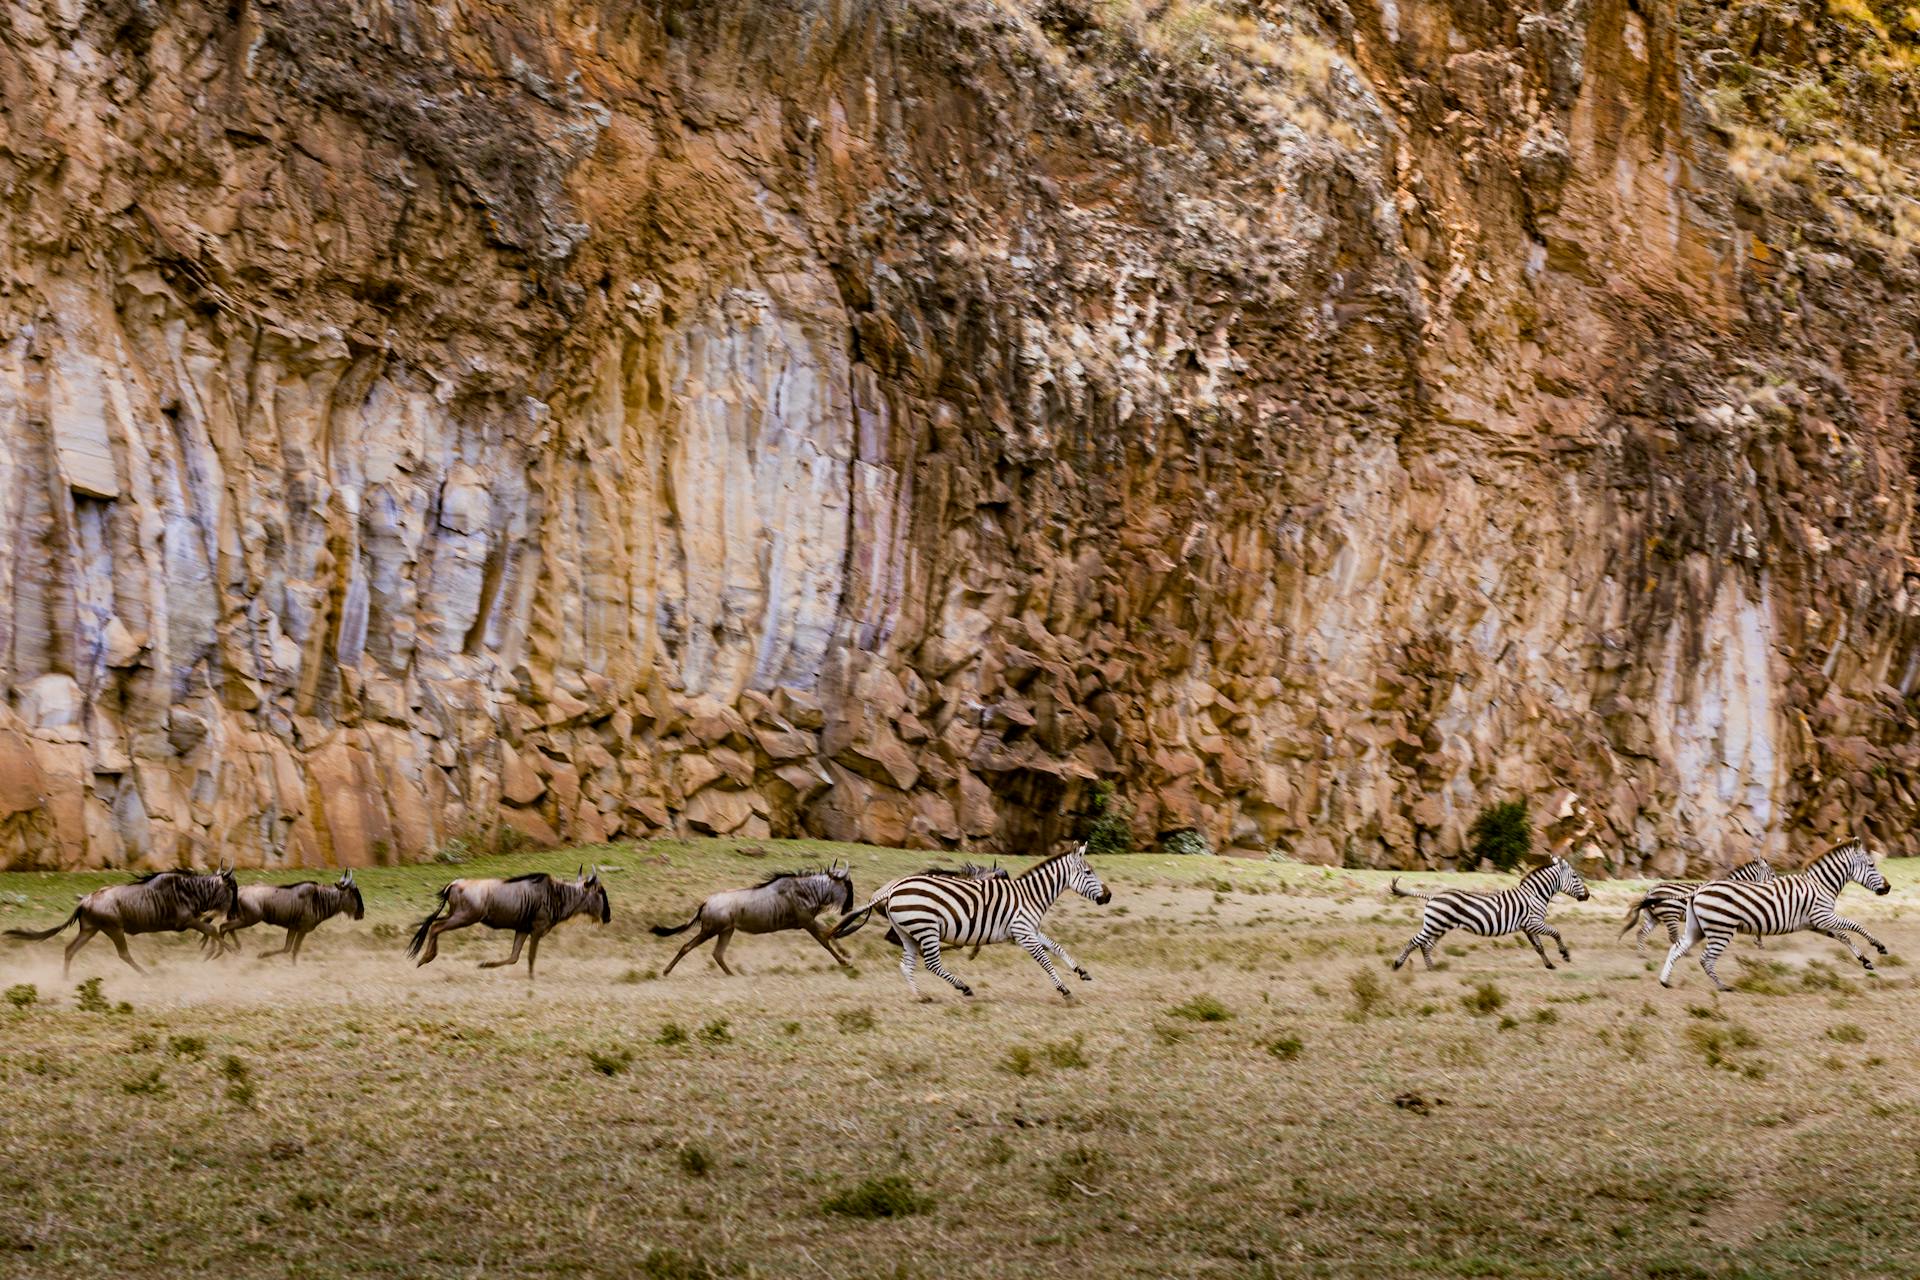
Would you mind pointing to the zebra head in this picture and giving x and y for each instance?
(1082, 880)
(1864, 871)
(1570, 882)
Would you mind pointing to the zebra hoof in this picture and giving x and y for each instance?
(967, 992)
(1084, 975)
(1550, 964)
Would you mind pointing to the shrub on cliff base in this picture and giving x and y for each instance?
(1188, 842)
(1112, 829)
(1502, 834)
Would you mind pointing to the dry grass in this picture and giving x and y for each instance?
(358, 1117)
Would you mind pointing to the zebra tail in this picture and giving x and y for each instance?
(1398, 892)
(1633, 914)
(853, 922)
(661, 931)
(420, 935)
(41, 935)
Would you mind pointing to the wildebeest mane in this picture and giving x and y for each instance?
(789, 875)
(531, 875)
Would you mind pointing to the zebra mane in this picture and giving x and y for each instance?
(1846, 848)
(1538, 873)
(1047, 862)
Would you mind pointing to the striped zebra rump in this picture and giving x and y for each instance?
(1666, 904)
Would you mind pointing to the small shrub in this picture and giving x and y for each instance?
(186, 1046)
(149, 1084)
(789, 1028)
(610, 1063)
(145, 1042)
(1502, 834)
(1508, 1022)
(1721, 1045)
(716, 1032)
(1019, 1061)
(1066, 1054)
(1706, 1011)
(88, 998)
(852, 1021)
(1187, 843)
(998, 1151)
(1286, 1048)
(889, 1197)
(22, 994)
(240, 1087)
(1112, 827)
(1483, 999)
(695, 1161)
(1370, 995)
(1546, 1015)
(1171, 1035)
(671, 1033)
(1202, 1008)
(1847, 1033)
(632, 977)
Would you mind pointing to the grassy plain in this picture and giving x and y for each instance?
(1245, 1090)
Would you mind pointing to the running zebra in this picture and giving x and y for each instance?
(927, 910)
(1521, 909)
(1666, 904)
(1789, 904)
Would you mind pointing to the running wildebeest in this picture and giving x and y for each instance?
(158, 902)
(298, 908)
(784, 900)
(530, 905)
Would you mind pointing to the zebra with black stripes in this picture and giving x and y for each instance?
(1521, 909)
(1666, 903)
(927, 910)
(1788, 904)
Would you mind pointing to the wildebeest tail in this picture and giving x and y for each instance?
(41, 935)
(661, 931)
(420, 934)
(1398, 892)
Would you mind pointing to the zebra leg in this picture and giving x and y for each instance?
(1061, 951)
(1840, 922)
(930, 956)
(906, 968)
(1423, 940)
(1030, 941)
(1647, 922)
(1681, 946)
(1533, 936)
(1839, 936)
(519, 940)
(1716, 943)
(1558, 941)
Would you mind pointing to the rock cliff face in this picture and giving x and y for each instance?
(884, 420)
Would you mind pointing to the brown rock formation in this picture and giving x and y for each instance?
(882, 420)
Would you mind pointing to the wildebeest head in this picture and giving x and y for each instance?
(358, 909)
(596, 893)
(842, 877)
(230, 887)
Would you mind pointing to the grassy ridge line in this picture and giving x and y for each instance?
(658, 878)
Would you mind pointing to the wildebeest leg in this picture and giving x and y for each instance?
(720, 950)
(519, 940)
(820, 936)
(533, 952)
(119, 938)
(695, 941)
(451, 920)
(80, 940)
(294, 943)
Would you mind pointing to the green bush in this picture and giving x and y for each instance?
(1187, 843)
(22, 994)
(1112, 829)
(1502, 834)
(1202, 1009)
